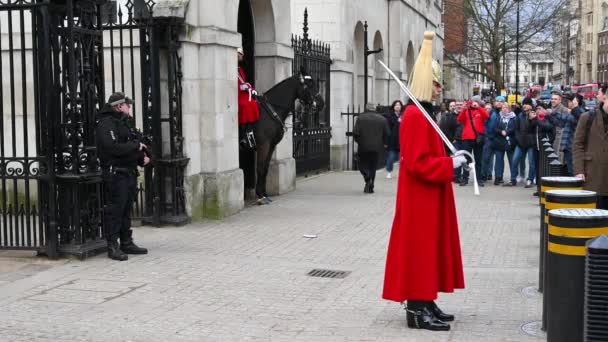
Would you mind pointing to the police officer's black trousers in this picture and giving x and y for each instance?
(120, 190)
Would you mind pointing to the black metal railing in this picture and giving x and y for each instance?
(311, 126)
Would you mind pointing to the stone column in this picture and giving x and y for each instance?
(341, 94)
(273, 62)
(214, 182)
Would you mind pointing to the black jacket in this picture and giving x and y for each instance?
(393, 124)
(371, 132)
(117, 146)
(450, 126)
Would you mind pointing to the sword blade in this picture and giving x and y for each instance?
(445, 139)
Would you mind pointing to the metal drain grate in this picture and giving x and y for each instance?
(321, 273)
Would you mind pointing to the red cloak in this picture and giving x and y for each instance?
(424, 255)
(248, 106)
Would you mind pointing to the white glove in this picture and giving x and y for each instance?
(244, 87)
(460, 153)
(458, 161)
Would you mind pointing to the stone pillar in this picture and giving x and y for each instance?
(341, 98)
(214, 182)
(273, 63)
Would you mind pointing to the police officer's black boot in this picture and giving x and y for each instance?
(128, 246)
(114, 251)
(420, 317)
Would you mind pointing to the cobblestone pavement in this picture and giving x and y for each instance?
(244, 278)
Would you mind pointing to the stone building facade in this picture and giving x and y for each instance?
(395, 26)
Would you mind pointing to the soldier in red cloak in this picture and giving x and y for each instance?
(424, 255)
(249, 112)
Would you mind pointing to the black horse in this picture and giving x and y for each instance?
(275, 106)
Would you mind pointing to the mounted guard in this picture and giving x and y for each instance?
(249, 112)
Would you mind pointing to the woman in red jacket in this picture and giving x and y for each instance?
(473, 118)
(424, 250)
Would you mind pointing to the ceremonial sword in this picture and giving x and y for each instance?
(445, 139)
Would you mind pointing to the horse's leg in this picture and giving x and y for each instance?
(267, 163)
(262, 168)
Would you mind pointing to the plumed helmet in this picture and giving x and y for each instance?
(421, 81)
(437, 72)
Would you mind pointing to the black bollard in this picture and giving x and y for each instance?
(569, 231)
(559, 199)
(556, 168)
(546, 184)
(542, 156)
(596, 290)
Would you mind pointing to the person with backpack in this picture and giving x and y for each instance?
(590, 149)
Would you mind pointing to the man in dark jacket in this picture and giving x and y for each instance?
(120, 152)
(371, 133)
(590, 148)
(488, 150)
(452, 129)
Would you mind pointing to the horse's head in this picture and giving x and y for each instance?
(308, 91)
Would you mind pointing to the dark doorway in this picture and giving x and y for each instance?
(247, 30)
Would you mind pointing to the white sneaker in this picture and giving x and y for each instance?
(388, 175)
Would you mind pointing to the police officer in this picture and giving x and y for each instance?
(120, 152)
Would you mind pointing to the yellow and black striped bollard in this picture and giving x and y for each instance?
(560, 199)
(569, 231)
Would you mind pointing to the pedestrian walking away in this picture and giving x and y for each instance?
(371, 133)
(424, 255)
(120, 151)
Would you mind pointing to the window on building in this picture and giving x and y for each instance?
(590, 19)
(589, 37)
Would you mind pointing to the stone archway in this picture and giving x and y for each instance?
(380, 81)
(245, 26)
(358, 63)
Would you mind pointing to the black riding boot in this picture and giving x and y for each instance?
(420, 317)
(128, 246)
(440, 314)
(114, 251)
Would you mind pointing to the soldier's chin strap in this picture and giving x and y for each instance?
(446, 141)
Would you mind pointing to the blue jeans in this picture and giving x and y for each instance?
(499, 166)
(568, 162)
(488, 158)
(517, 157)
(391, 158)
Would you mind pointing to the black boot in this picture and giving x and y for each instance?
(128, 246)
(114, 251)
(440, 314)
(497, 180)
(424, 319)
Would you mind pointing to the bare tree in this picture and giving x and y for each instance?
(490, 31)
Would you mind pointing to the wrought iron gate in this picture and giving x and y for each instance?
(311, 127)
(52, 55)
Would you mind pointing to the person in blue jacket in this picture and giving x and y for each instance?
(488, 150)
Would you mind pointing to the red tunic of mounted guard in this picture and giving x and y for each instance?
(248, 106)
